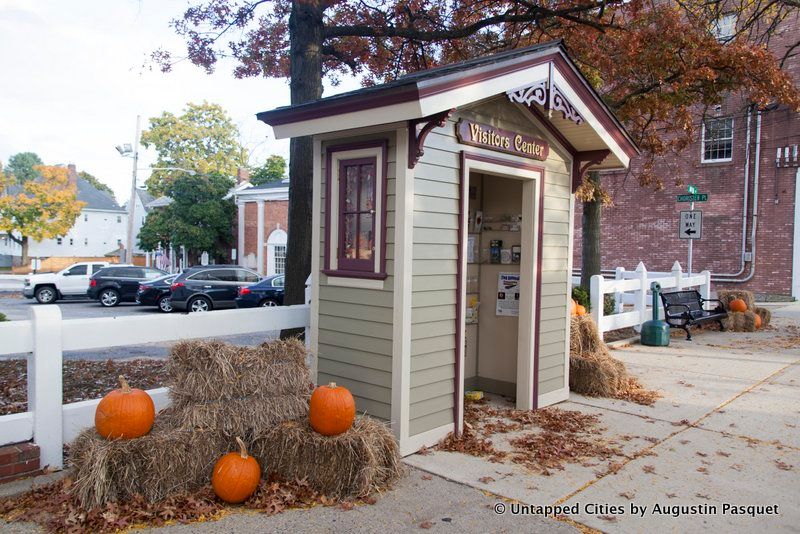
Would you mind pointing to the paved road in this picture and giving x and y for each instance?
(16, 308)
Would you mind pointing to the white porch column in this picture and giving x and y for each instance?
(260, 237)
(240, 240)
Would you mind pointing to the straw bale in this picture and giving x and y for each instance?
(740, 321)
(203, 371)
(584, 337)
(351, 465)
(596, 377)
(766, 315)
(156, 465)
(243, 417)
(727, 295)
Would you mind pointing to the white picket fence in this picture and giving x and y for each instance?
(632, 288)
(46, 335)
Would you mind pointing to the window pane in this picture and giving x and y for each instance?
(367, 188)
(246, 276)
(280, 260)
(349, 244)
(366, 238)
(351, 189)
(718, 139)
(223, 275)
(77, 270)
(278, 282)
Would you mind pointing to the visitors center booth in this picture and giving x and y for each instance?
(442, 233)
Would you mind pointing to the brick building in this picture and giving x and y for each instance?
(747, 161)
(262, 223)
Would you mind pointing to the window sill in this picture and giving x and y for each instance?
(715, 161)
(355, 274)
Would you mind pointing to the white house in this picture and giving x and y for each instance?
(140, 211)
(100, 228)
(10, 251)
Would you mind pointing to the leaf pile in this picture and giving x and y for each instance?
(634, 391)
(83, 380)
(558, 437)
(56, 508)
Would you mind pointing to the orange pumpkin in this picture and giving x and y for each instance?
(581, 309)
(573, 307)
(758, 321)
(125, 413)
(236, 475)
(332, 410)
(737, 305)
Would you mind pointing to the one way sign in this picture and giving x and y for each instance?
(691, 225)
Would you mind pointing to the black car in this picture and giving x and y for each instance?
(268, 292)
(204, 288)
(156, 293)
(115, 284)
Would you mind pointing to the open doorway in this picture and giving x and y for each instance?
(500, 279)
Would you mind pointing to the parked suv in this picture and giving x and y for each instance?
(116, 284)
(72, 282)
(208, 287)
(156, 293)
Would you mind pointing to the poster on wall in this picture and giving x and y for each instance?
(508, 294)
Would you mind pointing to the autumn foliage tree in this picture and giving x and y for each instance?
(653, 62)
(39, 208)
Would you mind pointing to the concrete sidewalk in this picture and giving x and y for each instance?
(725, 431)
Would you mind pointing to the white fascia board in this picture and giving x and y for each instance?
(279, 193)
(590, 118)
(470, 93)
(355, 119)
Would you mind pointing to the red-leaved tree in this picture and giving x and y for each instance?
(653, 62)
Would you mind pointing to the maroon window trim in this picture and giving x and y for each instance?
(359, 212)
(348, 267)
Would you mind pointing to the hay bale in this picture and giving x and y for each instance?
(204, 371)
(727, 295)
(740, 321)
(766, 315)
(584, 338)
(244, 417)
(596, 377)
(156, 465)
(351, 465)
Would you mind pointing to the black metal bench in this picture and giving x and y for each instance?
(683, 309)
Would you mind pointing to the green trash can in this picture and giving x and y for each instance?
(655, 333)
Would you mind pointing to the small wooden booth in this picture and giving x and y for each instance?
(442, 233)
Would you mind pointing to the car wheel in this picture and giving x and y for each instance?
(269, 303)
(46, 295)
(109, 298)
(165, 304)
(199, 304)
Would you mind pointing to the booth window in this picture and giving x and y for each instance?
(717, 140)
(356, 214)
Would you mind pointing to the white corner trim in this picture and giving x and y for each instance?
(570, 247)
(796, 247)
(547, 399)
(403, 247)
(426, 439)
(361, 283)
(316, 215)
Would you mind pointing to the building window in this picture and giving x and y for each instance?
(85, 240)
(119, 218)
(85, 217)
(280, 259)
(71, 241)
(355, 218)
(724, 27)
(58, 241)
(717, 140)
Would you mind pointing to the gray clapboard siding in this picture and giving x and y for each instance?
(355, 324)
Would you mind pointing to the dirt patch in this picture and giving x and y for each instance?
(83, 380)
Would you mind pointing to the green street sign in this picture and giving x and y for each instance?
(696, 197)
(692, 189)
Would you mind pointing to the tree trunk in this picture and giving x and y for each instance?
(24, 243)
(590, 246)
(305, 30)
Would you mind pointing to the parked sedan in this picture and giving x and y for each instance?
(268, 292)
(116, 284)
(209, 287)
(156, 293)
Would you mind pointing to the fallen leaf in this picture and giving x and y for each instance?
(610, 518)
(723, 453)
(671, 495)
(426, 524)
(628, 495)
(783, 465)
(426, 477)
(649, 469)
(702, 470)
(485, 480)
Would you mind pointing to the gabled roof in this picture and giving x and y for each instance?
(94, 198)
(160, 202)
(144, 197)
(427, 93)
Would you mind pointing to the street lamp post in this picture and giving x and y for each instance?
(132, 201)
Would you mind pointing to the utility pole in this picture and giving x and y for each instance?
(132, 201)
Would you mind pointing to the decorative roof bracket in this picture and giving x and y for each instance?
(417, 139)
(582, 161)
(547, 94)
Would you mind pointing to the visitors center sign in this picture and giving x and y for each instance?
(486, 136)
